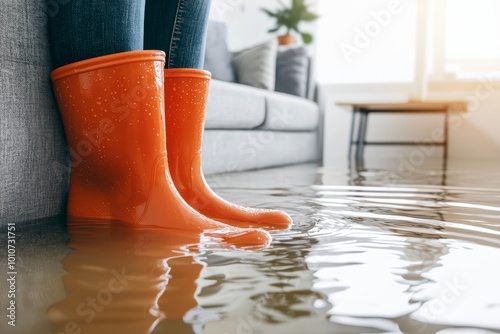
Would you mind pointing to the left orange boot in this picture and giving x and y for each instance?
(186, 92)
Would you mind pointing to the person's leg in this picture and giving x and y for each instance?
(112, 108)
(179, 28)
(84, 29)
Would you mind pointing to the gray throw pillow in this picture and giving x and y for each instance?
(292, 71)
(256, 66)
(218, 58)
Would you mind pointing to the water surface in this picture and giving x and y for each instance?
(371, 251)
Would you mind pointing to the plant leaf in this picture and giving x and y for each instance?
(274, 29)
(282, 4)
(308, 16)
(290, 17)
(307, 38)
(299, 4)
(268, 12)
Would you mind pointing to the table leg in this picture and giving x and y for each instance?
(445, 146)
(351, 136)
(363, 125)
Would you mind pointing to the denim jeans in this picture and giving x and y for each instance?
(179, 28)
(84, 29)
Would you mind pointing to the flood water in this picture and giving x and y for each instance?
(371, 251)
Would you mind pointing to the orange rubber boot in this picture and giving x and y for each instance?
(186, 92)
(113, 113)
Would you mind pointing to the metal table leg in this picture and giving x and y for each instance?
(446, 121)
(363, 126)
(445, 146)
(351, 136)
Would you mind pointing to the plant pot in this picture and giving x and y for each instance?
(286, 39)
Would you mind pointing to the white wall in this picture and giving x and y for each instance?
(366, 41)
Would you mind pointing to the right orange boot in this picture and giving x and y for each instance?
(186, 93)
(113, 113)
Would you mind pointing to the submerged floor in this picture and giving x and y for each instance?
(381, 250)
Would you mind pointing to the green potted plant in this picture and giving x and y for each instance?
(289, 18)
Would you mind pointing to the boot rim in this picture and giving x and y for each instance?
(106, 61)
(187, 73)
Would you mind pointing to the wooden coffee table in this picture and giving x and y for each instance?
(412, 106)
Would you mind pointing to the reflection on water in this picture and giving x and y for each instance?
(123, 279)
(371, 251)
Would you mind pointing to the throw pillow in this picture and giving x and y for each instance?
(292, 67)
(218, 58)
(256, 66)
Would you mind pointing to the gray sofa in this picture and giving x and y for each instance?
(250, 128)
(246, 128)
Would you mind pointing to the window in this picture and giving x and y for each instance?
(466, 39)
(357, 42)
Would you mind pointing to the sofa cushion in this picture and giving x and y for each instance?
(256, 66)
(237, 150)
(33, 163)
(285, 112)
(218, 58)
(292, 71)
(234, 106)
